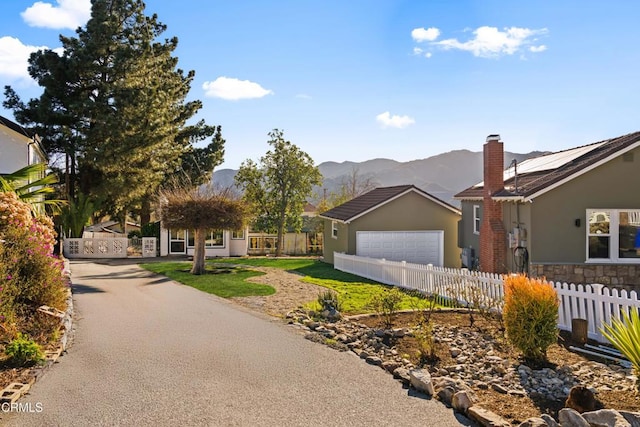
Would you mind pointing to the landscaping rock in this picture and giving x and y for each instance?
(421, 381)
(632, 417)
(571, 418)
(402, 374)
(446, 395)
(581, 399)
(487, 418)
(476, 366)
(549, 420)
(605, 418)
(462, 401)
(534, 422)
(374, 360)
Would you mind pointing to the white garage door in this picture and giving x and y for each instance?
(420, 247)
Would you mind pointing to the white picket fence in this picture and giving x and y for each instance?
(595, 303)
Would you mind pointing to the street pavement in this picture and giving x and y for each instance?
(151, 352)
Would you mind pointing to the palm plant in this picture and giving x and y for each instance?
(32, 187)
(624, 334)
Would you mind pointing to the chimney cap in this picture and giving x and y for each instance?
(493, 137)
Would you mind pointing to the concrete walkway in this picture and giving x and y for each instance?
(151, 352)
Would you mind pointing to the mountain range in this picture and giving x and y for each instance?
(442, 175)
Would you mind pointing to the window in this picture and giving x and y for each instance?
(334, 229)
(176, 241)
(237, 235)
(613, 235)
(213, 239)
(476, 219)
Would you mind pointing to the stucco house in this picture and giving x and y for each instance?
(400, 223)
(18, 148)
(573, 215)
(219, 243)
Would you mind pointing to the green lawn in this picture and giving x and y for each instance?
(355, 292)
(224, 284)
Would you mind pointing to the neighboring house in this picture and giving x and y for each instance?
(569, 216)
(110, 227)
(306, 242)
(400, 223)
(18, 148)
(219, 243)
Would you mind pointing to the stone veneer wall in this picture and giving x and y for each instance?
(617, 275)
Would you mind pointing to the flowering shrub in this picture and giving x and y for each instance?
(30, 275)
(530, 315)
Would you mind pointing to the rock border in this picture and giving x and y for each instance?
(367, 344)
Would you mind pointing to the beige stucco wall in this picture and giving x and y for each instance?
(554, 237)
(411, 212)
(332, 244)
(469, 238)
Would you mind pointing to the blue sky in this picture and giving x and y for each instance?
(362, 79)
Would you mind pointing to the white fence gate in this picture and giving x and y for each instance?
(107, 247)
(595, 303)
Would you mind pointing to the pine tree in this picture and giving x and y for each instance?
(114, 104)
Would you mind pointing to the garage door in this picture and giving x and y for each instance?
(420, 247)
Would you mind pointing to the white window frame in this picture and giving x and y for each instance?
(237, 235)
(208, 238)
(476, 219)
(613, 235)
(178, 236)
(334, 229)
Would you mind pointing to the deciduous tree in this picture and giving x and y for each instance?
(201, 209)
(278, 187)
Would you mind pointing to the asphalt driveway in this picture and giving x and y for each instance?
(149, 351)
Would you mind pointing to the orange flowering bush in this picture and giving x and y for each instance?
(30, 275)
(530, 315)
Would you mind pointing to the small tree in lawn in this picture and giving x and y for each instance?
(201, 209)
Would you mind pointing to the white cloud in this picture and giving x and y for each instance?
(303, 96)
(425, 35)
(387, 120)
(490, 42)
(14, 59)
(234, 89)
(419, 51)
(67, 14)
(536, 49)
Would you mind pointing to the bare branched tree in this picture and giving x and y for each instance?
(201, 209)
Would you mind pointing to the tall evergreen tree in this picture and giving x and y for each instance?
(114, 103)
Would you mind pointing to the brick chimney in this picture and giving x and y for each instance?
(493, 244)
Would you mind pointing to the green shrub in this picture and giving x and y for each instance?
(386, 304)
(624, 334)
(23, 350)
(425, 343)
(329, 300)
(530, 315)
